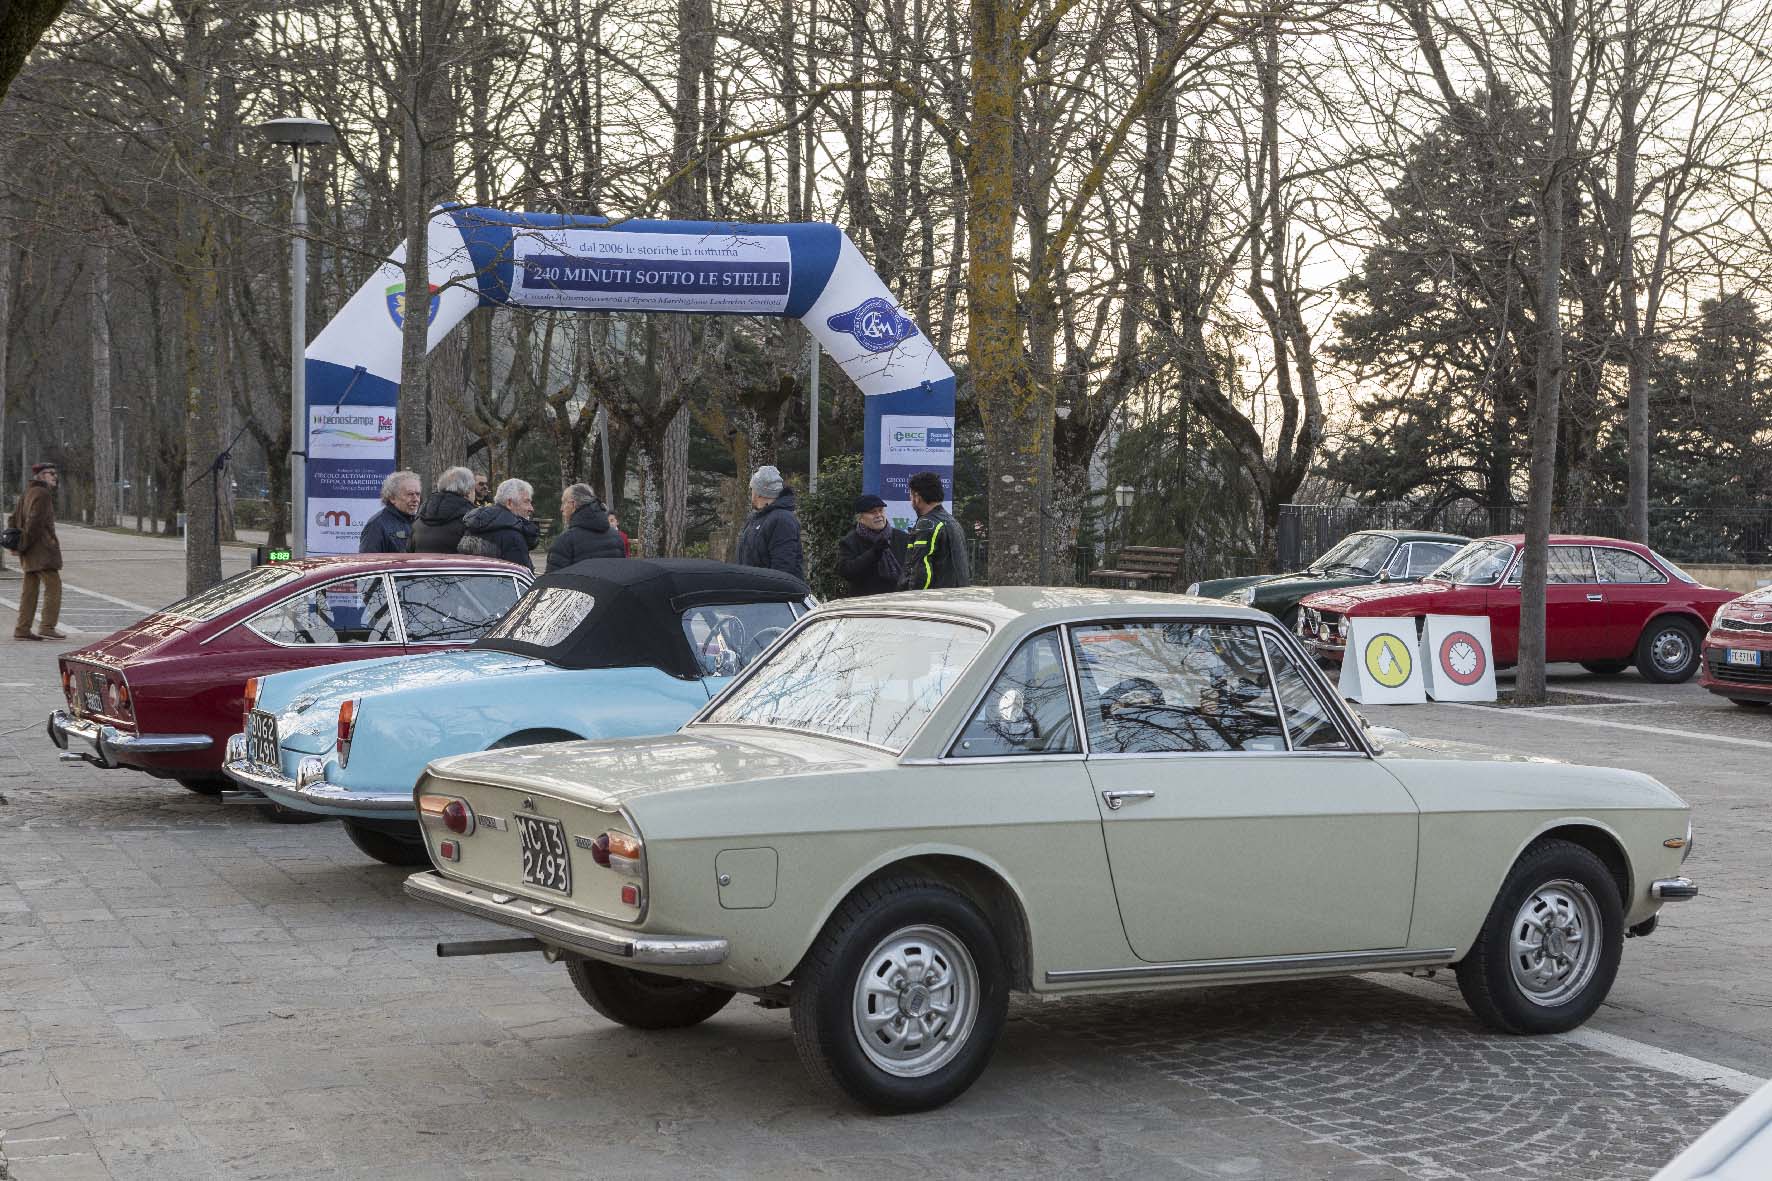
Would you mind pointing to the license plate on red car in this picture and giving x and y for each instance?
(1746, 656)
(545, 862)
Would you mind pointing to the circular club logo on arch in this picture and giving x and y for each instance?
(876, 324)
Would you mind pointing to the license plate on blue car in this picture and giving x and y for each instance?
(545, 861)
(1746, 656)
(261, 740)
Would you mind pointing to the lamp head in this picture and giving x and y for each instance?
(297, 132)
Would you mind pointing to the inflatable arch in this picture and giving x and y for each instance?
(488, 257)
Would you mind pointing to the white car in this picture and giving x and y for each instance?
(918, 803)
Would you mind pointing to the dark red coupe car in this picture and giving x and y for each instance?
(1738, 650)
(164, 694)
(1608, 604)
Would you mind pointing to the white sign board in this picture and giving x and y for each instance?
(582, 268)
(1382, 664)
(1457, 658)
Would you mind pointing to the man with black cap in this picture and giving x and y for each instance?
(870, 557)
(39, 555)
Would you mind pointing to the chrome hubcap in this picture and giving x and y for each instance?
(915, 1001)
(1555, 942)
(1672, 650)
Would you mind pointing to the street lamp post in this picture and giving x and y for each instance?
(1123, 496)
(298, 134)
(121, 424)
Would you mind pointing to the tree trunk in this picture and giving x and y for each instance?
(1637, 350)
(1541, 490)
(1017, 417)
(448, 370)
(414, 421)
(104, 459)
(5, 334)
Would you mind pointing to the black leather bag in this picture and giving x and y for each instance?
(10, 537)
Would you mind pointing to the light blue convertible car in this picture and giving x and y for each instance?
(609, 648)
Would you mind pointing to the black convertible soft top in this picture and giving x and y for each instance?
(627, 612)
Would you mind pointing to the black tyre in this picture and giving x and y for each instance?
(1750, 703)
(901, 999)
(1549, 950)
(205, 785)
(1605, 668)
(645, 1000)
(1669, 650)
(387, 847)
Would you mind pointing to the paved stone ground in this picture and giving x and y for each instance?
(187, 991)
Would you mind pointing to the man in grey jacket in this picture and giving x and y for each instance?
(771, 536)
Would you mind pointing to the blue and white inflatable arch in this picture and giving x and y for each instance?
(809, 271)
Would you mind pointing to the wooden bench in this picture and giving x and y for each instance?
(1153, 566)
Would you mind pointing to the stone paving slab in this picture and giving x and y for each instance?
(187, 991)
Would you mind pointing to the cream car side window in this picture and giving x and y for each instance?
(1310, 724)
(1027, 710)
(1180, 687)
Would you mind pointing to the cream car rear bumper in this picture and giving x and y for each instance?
(546, 923)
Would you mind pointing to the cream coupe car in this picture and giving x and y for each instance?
(916, 804)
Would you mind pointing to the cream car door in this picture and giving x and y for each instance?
(1237, 824)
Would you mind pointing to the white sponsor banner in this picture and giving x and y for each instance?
(1457, 658)
(335, 525)
(901, 514)
(916, 440)
(351, 432)
(1382, 663)
(581, 268)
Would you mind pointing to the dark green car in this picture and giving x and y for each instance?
(1371, 555)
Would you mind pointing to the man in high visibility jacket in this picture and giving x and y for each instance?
(936, 555)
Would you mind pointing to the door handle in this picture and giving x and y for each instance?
(1596, 598)
(1116, 798)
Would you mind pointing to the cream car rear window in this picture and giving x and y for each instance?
(873, 679)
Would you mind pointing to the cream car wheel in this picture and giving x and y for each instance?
(1547, 954)
(916, 1001)
(1555, 942)
(900, 1000)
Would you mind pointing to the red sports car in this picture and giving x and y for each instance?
(1608, 604)
(164, 694)
(1738, 650)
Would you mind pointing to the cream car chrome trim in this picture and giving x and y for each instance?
(683, 951)
(1340, 961)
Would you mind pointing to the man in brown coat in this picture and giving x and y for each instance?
(39, 555)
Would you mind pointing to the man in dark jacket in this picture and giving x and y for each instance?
(438, 529)
(587, 533)
(39, 556)
(390, 531)
(503, 529)
(771, 536)
(936, 555)
(870, 557)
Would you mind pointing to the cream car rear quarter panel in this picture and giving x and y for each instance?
(1034, 823)
(1478, 816)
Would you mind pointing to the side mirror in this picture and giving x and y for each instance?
(1384, 576)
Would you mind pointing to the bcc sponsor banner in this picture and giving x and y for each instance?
(921, 442)
(581, 268)
(336, 523)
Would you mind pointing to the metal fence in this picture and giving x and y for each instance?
(1683, 534)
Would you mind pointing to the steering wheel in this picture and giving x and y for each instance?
(724, 643)
(766, 636)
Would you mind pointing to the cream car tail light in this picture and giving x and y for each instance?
(449, 812)
(620, 851)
